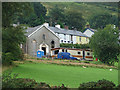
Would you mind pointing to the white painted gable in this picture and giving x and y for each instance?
(89, 33)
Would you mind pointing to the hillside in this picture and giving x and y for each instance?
(88, 9)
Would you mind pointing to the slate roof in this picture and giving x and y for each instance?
(65, 31)
(56, 30)
(31, 30)
(93, 30)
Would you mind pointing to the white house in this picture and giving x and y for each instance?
(66, 35)
(89, 31)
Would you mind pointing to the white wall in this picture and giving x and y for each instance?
(66, 38)
(74, 39)
(88, 33)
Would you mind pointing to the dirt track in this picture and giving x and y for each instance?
(71, 63)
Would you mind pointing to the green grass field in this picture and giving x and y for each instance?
(71, 76)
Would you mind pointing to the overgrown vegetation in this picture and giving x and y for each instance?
(105, 45)
(99, 84)
(10, 80)
(12, 37)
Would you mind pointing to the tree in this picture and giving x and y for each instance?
(75, 20)
(105, 44)
(11, 43)
(56, 15)
(11, 9)
(12, 37)
(37, 17)
(39, 9)
(101, 20)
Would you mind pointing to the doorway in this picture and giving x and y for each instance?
(83, 54)
(44, 49)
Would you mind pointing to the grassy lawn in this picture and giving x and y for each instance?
(71, 76)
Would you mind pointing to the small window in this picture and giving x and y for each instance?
(66, 50)
(57, 51)
(88, 54)
(43, 36)
(68, 41)
(86, 38)
(79, 53)
(65, 36)
(65, 41)
(61, 40)
(80, 39)
(62, 50)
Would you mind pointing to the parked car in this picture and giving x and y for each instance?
(65, 55)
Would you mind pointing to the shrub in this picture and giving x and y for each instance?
(41, 85)
(105, 84)
(118, 86)
(59, 87)
(7, 58)
(88, 85)
(99, 84)
(11, 81)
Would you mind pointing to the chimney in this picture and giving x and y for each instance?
(18, 23)
(66, 27)
(46, 24)
(58, 26)
(87, 26)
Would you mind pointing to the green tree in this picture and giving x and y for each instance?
(12, 37)
(105, 44)
(75, 20)
(37, 17)
(39, 9)
(11, 43)
(101, 20)
(12, 9)
(56, 15)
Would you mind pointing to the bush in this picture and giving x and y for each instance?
(59, 87)
(11, 81)
(7, 58)
(88, 85)
(41, 85)
(99, 84)
(105, 84)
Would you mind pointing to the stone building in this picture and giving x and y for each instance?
(40, 38)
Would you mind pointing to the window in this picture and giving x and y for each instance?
(68, 41)
(79, 53)
(62, 50)
(52, 44)
(71, 37)
(65, 41)
(80, 39)
(66, 50)
(64, 36)
(88, 54)
(86, 38)
(62, 41)
(56, 51)
(43, 36)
